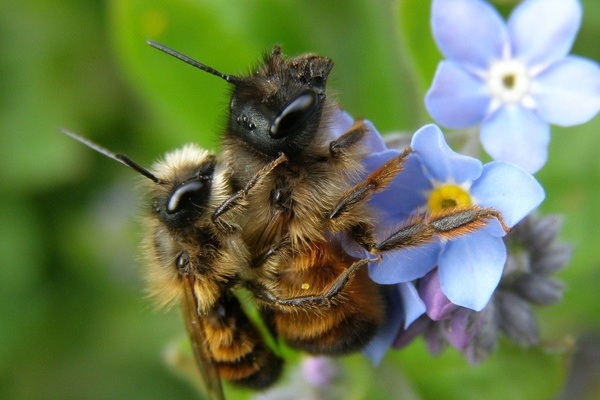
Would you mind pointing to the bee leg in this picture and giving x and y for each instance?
(376, 181)
(275, 249)
(237, 200)
(315, 300)
(421, 230)
(323, 299)
(448, 225)
(341, 281)
(352, 136)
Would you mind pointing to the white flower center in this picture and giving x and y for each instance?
(509, 81)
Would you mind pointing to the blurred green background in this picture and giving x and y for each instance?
(74, 323)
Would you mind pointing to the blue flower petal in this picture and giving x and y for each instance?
(508, 189)
(414, 307)
(568, 93)
(351, 246)
(456, 98)
(404, 305)
(405, 265)
(340, 122)
(494, 228)
(405, 194)
(543, 31)
(382, 341)
(376, 160)
(470, 269)
(518, 135)
(470, 32)
(440, 161)
(373, 140)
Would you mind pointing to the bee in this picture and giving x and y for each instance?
(198, 261)
(321, 297)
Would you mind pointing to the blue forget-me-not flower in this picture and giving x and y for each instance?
(436, 178)
(513, 78)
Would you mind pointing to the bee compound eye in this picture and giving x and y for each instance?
(293, 115)
(188, 195)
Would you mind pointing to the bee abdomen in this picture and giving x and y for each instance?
(258, 369)
(238, 349)
(350, 335)
(345, 327)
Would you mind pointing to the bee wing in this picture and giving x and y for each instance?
(208, 371)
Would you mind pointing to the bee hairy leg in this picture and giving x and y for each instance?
(376, 181)
(325, 298)
(448, 225)
(421, 230)
(238, 199)
(266, 296)
(352, 136)
(273, 250)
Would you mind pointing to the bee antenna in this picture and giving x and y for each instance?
(229, 78)
(117, 157)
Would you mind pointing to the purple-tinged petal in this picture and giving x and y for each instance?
(470, 269)
(458, 333)
(568, 93)
(466, 331)
(518, 135)
(508, 189)
(468, 31)
(407, 191)
(406, 336)
(456, 98)
(405, 265)
(434, 340)
(440, 161)
(484, 335)
(543, 31)
(438, 305)
(319, 371)
(395, 317)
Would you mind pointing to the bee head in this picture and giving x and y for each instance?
(182, 182)
(278, 108)
(185, 190)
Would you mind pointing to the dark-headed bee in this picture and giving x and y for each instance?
(322, 300)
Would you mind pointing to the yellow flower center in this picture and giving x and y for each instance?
(448, 196)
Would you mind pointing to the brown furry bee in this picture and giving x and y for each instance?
(321, 298)
(195, 261)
